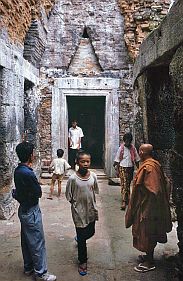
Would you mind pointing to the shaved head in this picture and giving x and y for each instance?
(145, 151)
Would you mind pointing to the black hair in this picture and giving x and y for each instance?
(60, 153)
(80, 154)
(24, 151)
(128, 136)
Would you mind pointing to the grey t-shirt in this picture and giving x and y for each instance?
(81, 194)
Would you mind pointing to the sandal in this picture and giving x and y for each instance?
(82, 269)
(142, 268)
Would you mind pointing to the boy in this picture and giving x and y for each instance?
(27, 193)
(60, 167)
(80, 192)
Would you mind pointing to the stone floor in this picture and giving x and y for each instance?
(110, 251)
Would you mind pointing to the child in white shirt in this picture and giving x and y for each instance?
(60, 166)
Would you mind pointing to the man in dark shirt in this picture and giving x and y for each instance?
(28, 190)
(27, 193)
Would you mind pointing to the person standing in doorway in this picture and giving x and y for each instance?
(124, 162)
(75, 135)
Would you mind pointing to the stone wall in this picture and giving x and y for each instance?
(94, 45)
(157, 106)
(105, 28)
(11, 126)
(158, 73)
(141, 17)
(89, 46)
(27, 22)
(13, 71)
(22, 35)
(32, 28)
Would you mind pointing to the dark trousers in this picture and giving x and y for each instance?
(72, 157)
(84, 234)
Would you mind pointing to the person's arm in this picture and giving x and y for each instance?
(70, 142)
(69, 190)
(115, 164)
(117, 158)
(79, 139)
(96, 188)
(34, 185)
(50, 167)
(66, 166)
(69, 137)
(137, 158)
(79, 143)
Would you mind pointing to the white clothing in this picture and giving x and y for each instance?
(75, 135)
(60, 166)
(126, 161)
(81, 194)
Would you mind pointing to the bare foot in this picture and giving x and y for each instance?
(123, 206)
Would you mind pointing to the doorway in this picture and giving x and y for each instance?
(99, 95)
(89, 111)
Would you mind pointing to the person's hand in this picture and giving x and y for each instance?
(115, 164)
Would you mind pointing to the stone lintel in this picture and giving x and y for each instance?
(88, 83)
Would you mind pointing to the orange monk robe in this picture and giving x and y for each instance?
(148, 210)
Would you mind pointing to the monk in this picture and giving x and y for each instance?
(148, 211)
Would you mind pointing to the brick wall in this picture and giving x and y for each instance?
(141, 17)
(44, 125)
(17, 15)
